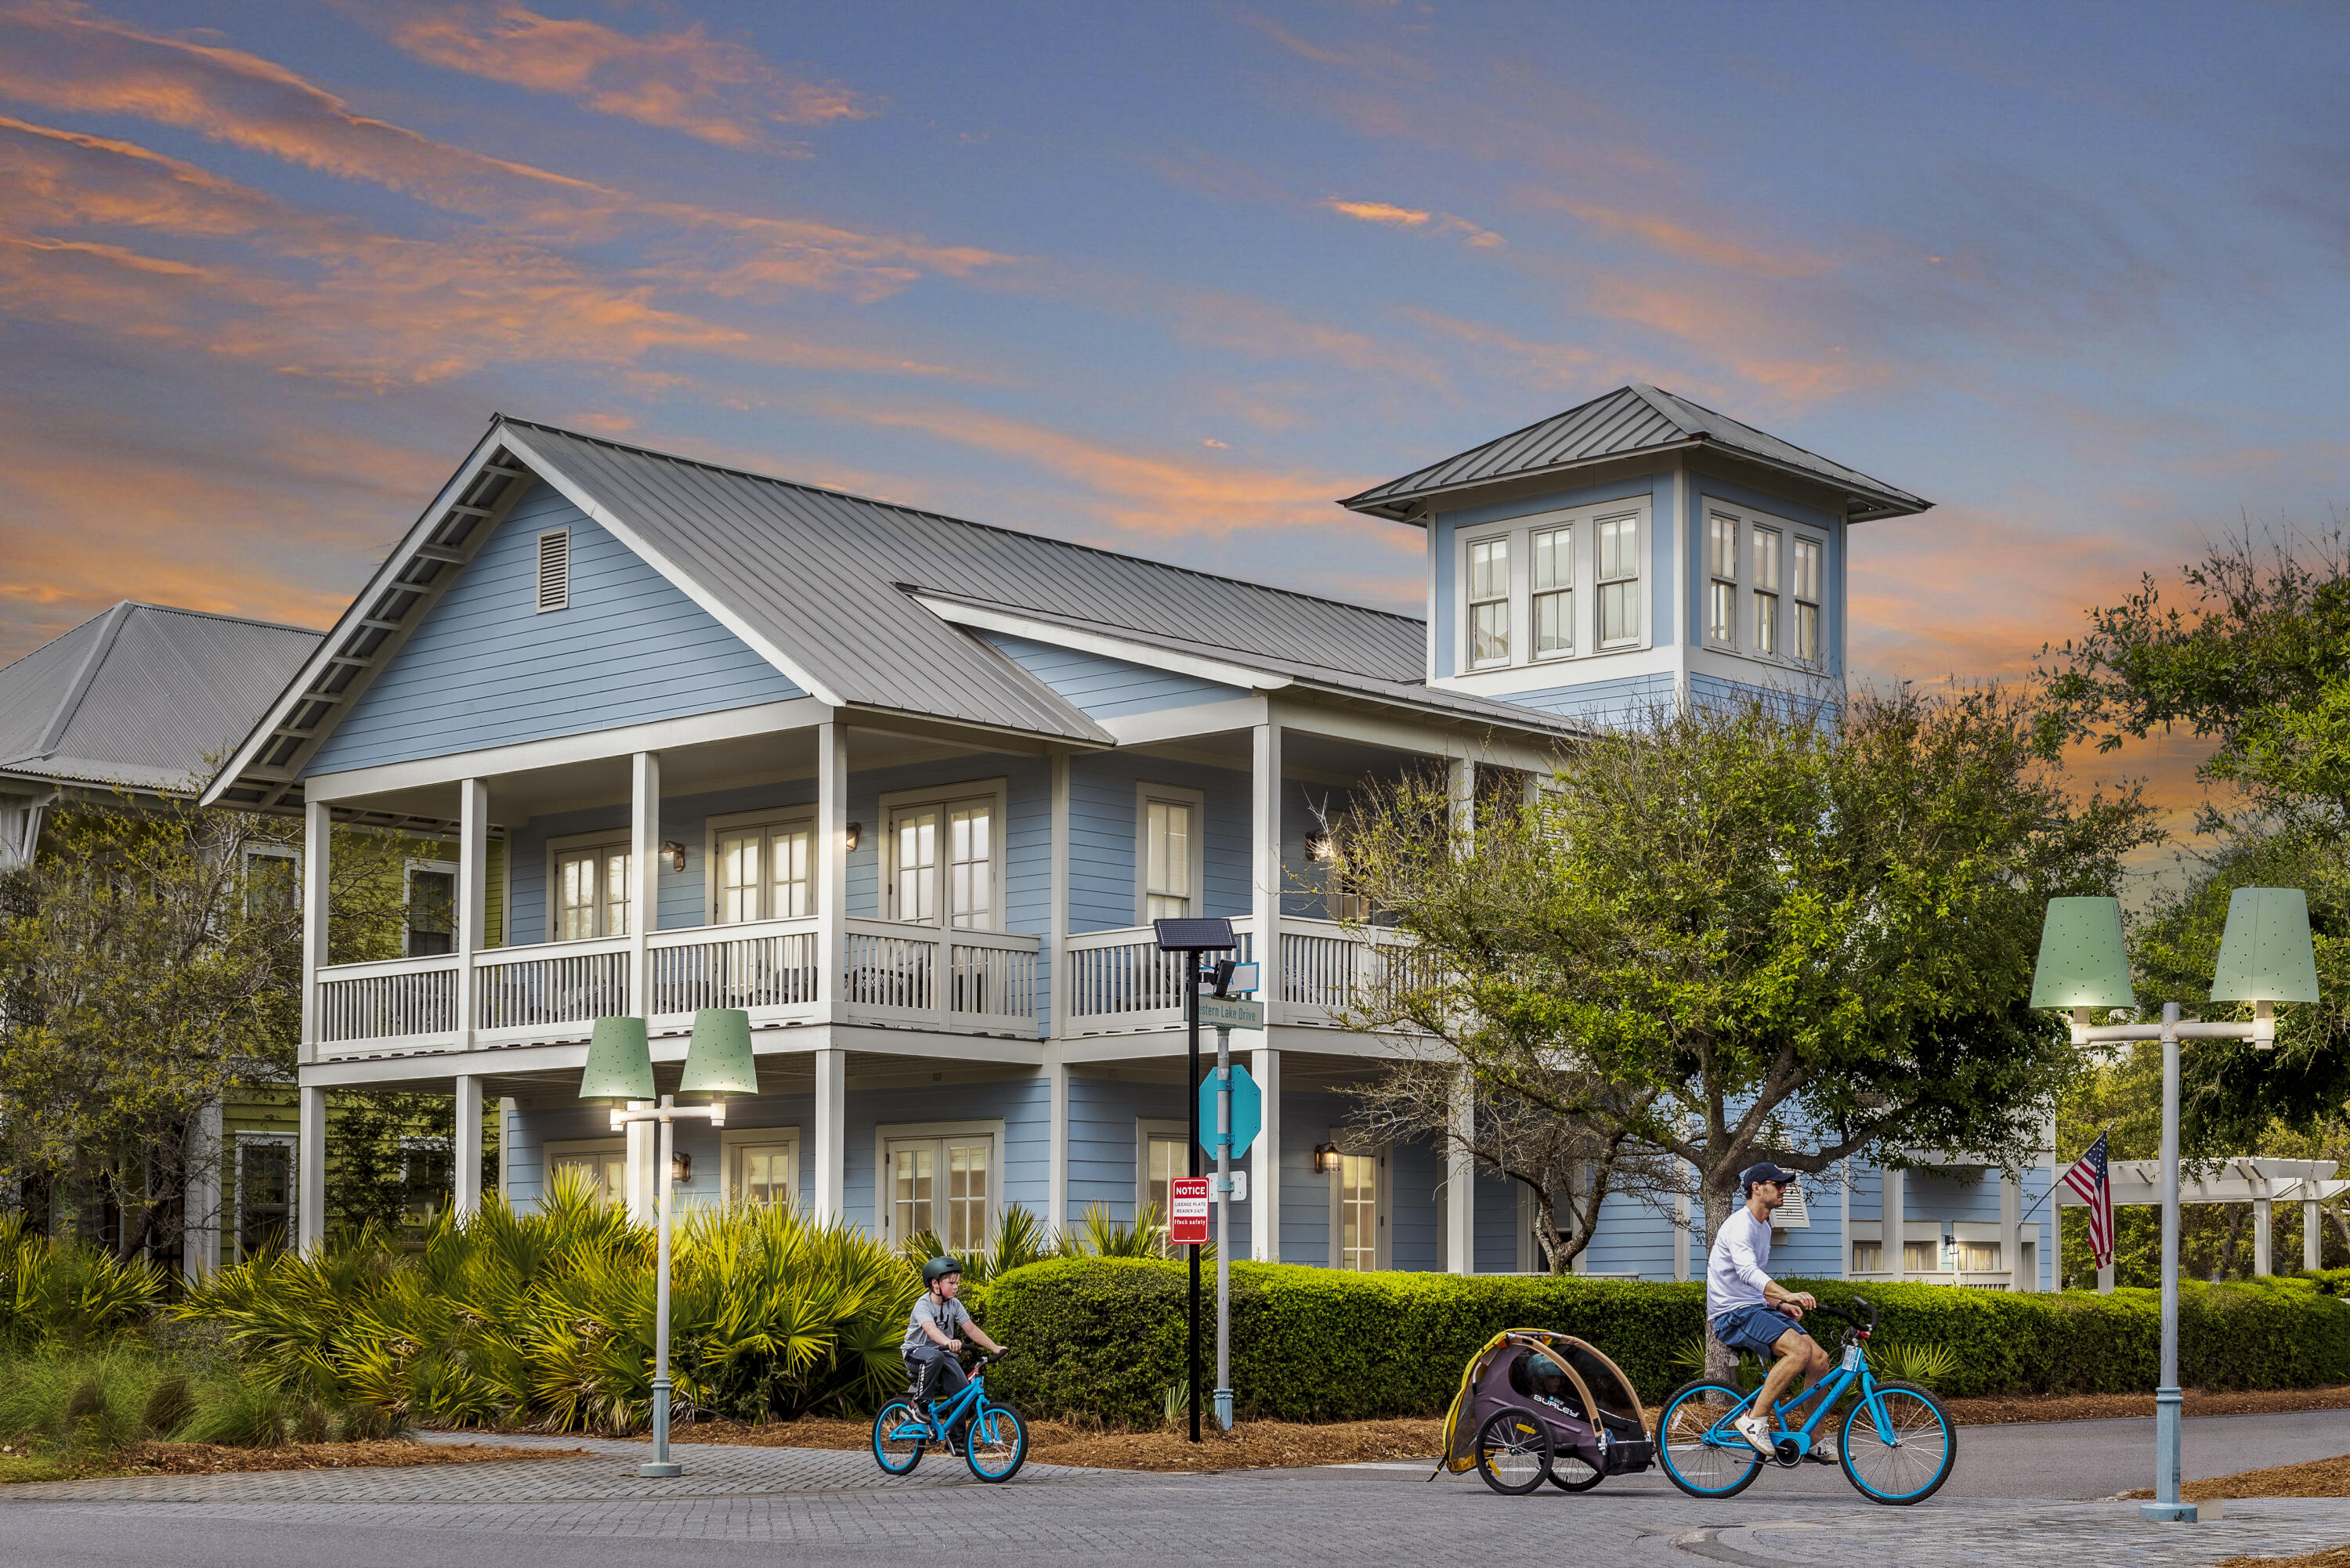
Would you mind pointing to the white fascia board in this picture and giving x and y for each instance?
(1176, 723)
(596, 745)
(1012, 624)
(684, 582)
(258, 740)
(1422, 740)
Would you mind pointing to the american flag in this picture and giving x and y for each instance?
(2088, 1178)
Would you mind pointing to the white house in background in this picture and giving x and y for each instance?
(910, 789)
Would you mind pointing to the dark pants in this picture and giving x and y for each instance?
(938, 1374)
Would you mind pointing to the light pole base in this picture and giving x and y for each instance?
(2175, 1512)
(1224, 1408)
(664, 1472)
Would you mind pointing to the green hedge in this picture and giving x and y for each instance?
(1103, 1337)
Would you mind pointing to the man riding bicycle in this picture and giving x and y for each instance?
(1749, 1311)
(931, 1347)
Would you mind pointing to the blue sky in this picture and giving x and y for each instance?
(1167, 279)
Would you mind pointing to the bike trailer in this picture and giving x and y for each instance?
(1584, 1399)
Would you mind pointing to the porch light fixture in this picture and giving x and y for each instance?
(620, 1068)
(856, 832)
(1326, 1159)
(1321, 848)
(674, 853)
(2265, 958)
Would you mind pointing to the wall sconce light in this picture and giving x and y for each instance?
(1321, 848)
(856, 832)
(674, 853)
(680, 1169)
(1326, 1159)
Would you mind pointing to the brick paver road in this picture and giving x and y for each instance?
(744, 1504)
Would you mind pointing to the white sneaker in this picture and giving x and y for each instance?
(1752, 1427)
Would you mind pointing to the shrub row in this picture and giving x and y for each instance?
(1105, 1336)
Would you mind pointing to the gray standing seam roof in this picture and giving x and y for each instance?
(143, 695)
(825, 577)
(1632, 418)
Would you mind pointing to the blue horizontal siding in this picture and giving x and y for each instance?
(1616, 702)
(486, 669)
(1102, 839)
(1108, 688)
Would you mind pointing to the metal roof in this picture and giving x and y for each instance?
(144, 696)
(1625, 423)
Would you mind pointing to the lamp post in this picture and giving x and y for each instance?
(620, 1068)
(2265, 958)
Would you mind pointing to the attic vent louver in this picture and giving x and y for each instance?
(555, 570)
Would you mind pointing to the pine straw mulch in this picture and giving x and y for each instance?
(2317, 1478)
(2332, 1557)
(1999, 1410)
(210, 1459)
(1254, 1445)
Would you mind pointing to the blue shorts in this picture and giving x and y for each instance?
(1754, 1328)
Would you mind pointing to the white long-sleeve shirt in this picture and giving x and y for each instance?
(1736, 1270)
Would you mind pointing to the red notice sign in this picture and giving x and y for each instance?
(1187, 1225)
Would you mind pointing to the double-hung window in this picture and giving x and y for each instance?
(602, 1163)
(764, 871)
(1766, 590)
(1619, 581)
(1807, 600)
(944, 863)
(431, 917)
(1554, 591)
(1489, 601)
(591, 891)
(1721, 585)
(1167, 863)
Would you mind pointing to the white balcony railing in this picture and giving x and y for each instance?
(1329, 968)
(524, 990)
(397, 998)
(768, 969)
(1119, 982)
(921, 976)
(1969, 1280)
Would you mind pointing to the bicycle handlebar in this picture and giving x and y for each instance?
(1865, 1331)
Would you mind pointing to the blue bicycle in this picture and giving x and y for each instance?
(1895, 1443)
(994, 1439)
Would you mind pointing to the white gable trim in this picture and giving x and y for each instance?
(684, 582)
(1011, 624)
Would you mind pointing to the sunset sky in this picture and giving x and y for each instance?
(1168, 278)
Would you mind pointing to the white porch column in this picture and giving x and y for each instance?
(831, 1143)
(644, 876)
(506, 1147)
(317, 850)
(472, 898)
(465, 1149)
(1056, 993)
(310, 1165)
(832, 872)
(1056, 1179)
(1460, 1180)
(2313, 1240)
(2010, 1227)
(199, 1202)
(2263, 1213)
(1264, 1164)
(1264, 861)
(1893, 1208)
(1844, 1225)
(1460, 786)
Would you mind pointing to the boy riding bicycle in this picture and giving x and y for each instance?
(931, 1347)
(1749, 1311)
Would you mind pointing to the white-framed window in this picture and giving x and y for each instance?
(1975, 1257)
(1806, 595)
(762, 1164)
(1554, 591)
(1162, 1151)
(265, 1192)
(1170, 858)
(1618, 579)
(1922, 1258)
(1766, 590)
(1358, 1205)
(431, 908)
(273, 879)
(762, 865)
(1489, 601)
(1722, 579)
(426, 1173)
(604, 1161)
(944, 858)
(587, 878)
(1868, 1257)
(943, 1177)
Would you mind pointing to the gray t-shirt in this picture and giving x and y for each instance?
(950, 1316)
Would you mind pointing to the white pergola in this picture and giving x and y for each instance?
(2262, 1183)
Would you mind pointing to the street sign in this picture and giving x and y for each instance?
(1248, 1111)
(1231, 1012)
(1187, 1202)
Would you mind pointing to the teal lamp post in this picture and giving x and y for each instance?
(620, 1068)
(2265, 958)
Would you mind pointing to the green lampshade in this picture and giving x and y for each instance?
(718, 1062)
(2082, 960)
(620, 1062)
(2265, 954)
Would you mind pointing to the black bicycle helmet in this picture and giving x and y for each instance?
(939, 1268)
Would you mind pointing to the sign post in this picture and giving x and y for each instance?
(1239, 1112)
(1191, 937)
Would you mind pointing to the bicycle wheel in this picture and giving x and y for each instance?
(1512, 1452)
(996, 1443)
(1914, 1464)
(894, 1449)
(1694, 1443)
(1570, 1472)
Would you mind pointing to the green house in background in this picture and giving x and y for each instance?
(137, 705)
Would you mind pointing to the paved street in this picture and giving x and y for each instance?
(742, 1504)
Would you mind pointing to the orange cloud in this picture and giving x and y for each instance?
(1710, 246)
(684, 81)
(1415, 218)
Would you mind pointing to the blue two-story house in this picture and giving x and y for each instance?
(910, 790)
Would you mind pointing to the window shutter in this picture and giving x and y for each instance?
(555, 570)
